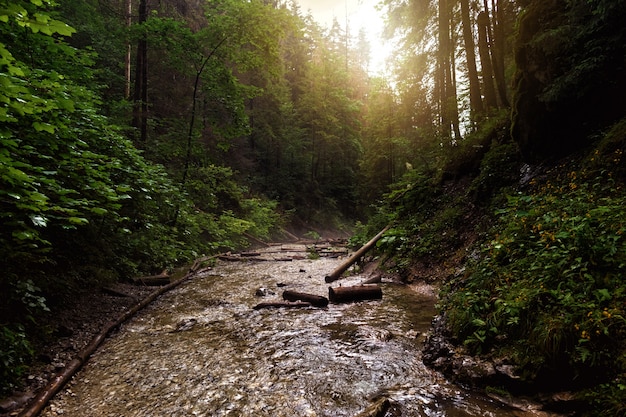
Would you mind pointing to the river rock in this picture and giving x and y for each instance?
(442, 355)
(263, 292)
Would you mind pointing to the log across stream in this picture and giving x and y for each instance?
(202, 350)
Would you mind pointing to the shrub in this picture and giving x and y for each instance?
(548, 288)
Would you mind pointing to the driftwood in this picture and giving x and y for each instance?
(55, 385)
(278, 304)
(315, 300)
(356, 293)
(336, 274)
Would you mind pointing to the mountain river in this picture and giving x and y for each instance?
(202, 350)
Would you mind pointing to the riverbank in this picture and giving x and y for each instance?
(70, 329)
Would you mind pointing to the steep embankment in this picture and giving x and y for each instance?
(538, 301)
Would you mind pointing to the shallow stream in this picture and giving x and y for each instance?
(202, 350)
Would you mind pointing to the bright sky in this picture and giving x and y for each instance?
(361, 14)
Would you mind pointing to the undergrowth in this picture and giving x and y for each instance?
(543, 289)
(547, 290)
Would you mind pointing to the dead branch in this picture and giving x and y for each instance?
(336, 274)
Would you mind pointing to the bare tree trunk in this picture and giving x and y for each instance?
(129, 22)
(476, 101)
(485, 61)
(497, 53)
(451, 82)
(448, 98)
(443, 68)
(140, 97)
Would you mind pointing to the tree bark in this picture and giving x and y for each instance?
(127, 72)
(315, 300)
(336, 274)
(140, 97)
(498, 51)
(485, 61)
(476, 101)
(357, 293)
(443, 69)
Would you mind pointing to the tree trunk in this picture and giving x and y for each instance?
(355, 257)
(140, 97)
(356, 293)
(485, 61)
(451, 81)
(497, 53)
(449, 114)
(129, 22)
(476, 101)
(443, 69)
(315, 300)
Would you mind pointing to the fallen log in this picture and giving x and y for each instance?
(279, 304)
(315, 300)
(336, 274)
(356, 293)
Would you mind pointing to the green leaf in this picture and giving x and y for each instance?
(39, 220)
(40, 127)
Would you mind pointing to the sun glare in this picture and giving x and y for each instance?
(357, 14)
(364, 16)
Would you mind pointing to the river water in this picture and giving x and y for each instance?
(202, 350)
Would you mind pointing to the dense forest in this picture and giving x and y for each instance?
(138, 135)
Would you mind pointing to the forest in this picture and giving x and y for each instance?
(139, 135)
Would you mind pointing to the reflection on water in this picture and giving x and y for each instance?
(201, 350)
